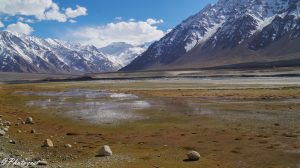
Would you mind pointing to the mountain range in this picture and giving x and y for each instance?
(227, 33)
(23, 53)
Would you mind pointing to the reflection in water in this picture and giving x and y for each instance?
(92, 105)
(107, 107)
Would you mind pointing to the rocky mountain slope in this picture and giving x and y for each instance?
(226, 33)
(21, 53)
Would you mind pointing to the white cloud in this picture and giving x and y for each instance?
(118, 18)
(154, 22)
(80, 11)
(20, 27)
(131, 20)
(137, 32)
(40, 9)
(72, 21)
(1, 24)
(54, 14)
(27, 20)
(25, 7)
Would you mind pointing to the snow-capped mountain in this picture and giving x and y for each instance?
(229, 32)
(22, 53)
(123, 53)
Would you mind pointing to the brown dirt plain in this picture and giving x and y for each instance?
(230, 125)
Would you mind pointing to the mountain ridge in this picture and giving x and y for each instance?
(220, 32)
(23, 53)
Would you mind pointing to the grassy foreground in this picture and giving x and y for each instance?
(237, 126)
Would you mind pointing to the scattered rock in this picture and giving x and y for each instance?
(5, 129)
(12, 141)
(42, 163)
(277, 124)
(48, 143)
(68, 145)
(29, 120)
(105, 151)
(7, 123)
(235, 151)
(33, 131)
(2, 132)
(72, 134)
(19, 131)
(193, 156)
(238, 139)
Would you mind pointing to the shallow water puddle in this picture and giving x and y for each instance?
(92, 105)
(107, 107)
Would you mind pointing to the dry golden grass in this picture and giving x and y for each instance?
(163, 139)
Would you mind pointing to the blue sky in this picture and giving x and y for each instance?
(95, 15)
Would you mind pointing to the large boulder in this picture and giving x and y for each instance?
(105, 151)
(48, 143)
(2, 132)
(29, 120)
(42, 163)
(193, 156)
(68, 145)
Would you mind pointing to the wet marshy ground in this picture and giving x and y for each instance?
(93, 106)
(153, 123)
(101, 107)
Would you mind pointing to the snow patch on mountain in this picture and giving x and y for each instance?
(22, 53)
(123, 53)
(197, 38)
(225, 24)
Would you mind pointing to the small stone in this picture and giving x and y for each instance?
(19, 131)
(68, 145)
(193, 155)
(7, 123)
(12, 141)
(29, 120)
(105, 151)
(5, 129)
(42, 163)
(33, 131)
(2, 132)
(48, 143)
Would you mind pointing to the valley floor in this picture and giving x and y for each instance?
(233, 122)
